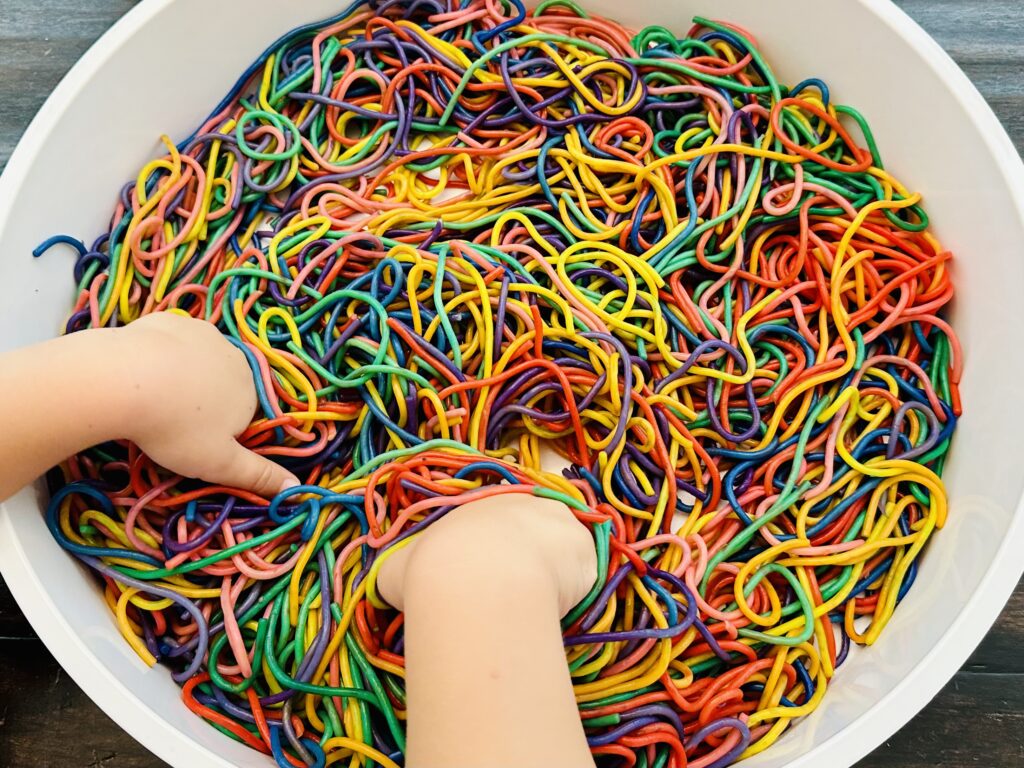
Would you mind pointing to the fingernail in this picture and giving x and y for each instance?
(291, 482)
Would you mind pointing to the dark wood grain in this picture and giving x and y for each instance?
(986, 38)
(46, 721)
(12, 624)
(39, 41)
(977, 719)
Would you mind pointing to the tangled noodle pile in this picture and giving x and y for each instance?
(445, 233)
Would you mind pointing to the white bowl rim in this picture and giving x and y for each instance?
(851, 743)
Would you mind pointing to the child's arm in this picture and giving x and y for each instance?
(171, 384)
(483, 590)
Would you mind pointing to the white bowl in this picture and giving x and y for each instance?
(935, 132)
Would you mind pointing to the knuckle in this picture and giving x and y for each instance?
(265, 474)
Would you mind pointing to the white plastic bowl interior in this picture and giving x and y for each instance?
(160, 70)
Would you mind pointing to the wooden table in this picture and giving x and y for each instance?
(46, 721)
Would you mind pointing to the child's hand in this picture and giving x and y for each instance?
(514, 540)
(171, 384)
(483, 589)
(189, 393)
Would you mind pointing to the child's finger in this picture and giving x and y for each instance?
(249, 471)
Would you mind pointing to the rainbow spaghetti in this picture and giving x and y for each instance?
(446, 233)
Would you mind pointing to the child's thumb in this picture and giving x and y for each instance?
(251, 472)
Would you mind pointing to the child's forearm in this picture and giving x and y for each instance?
(61, 396)
(487, 681)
